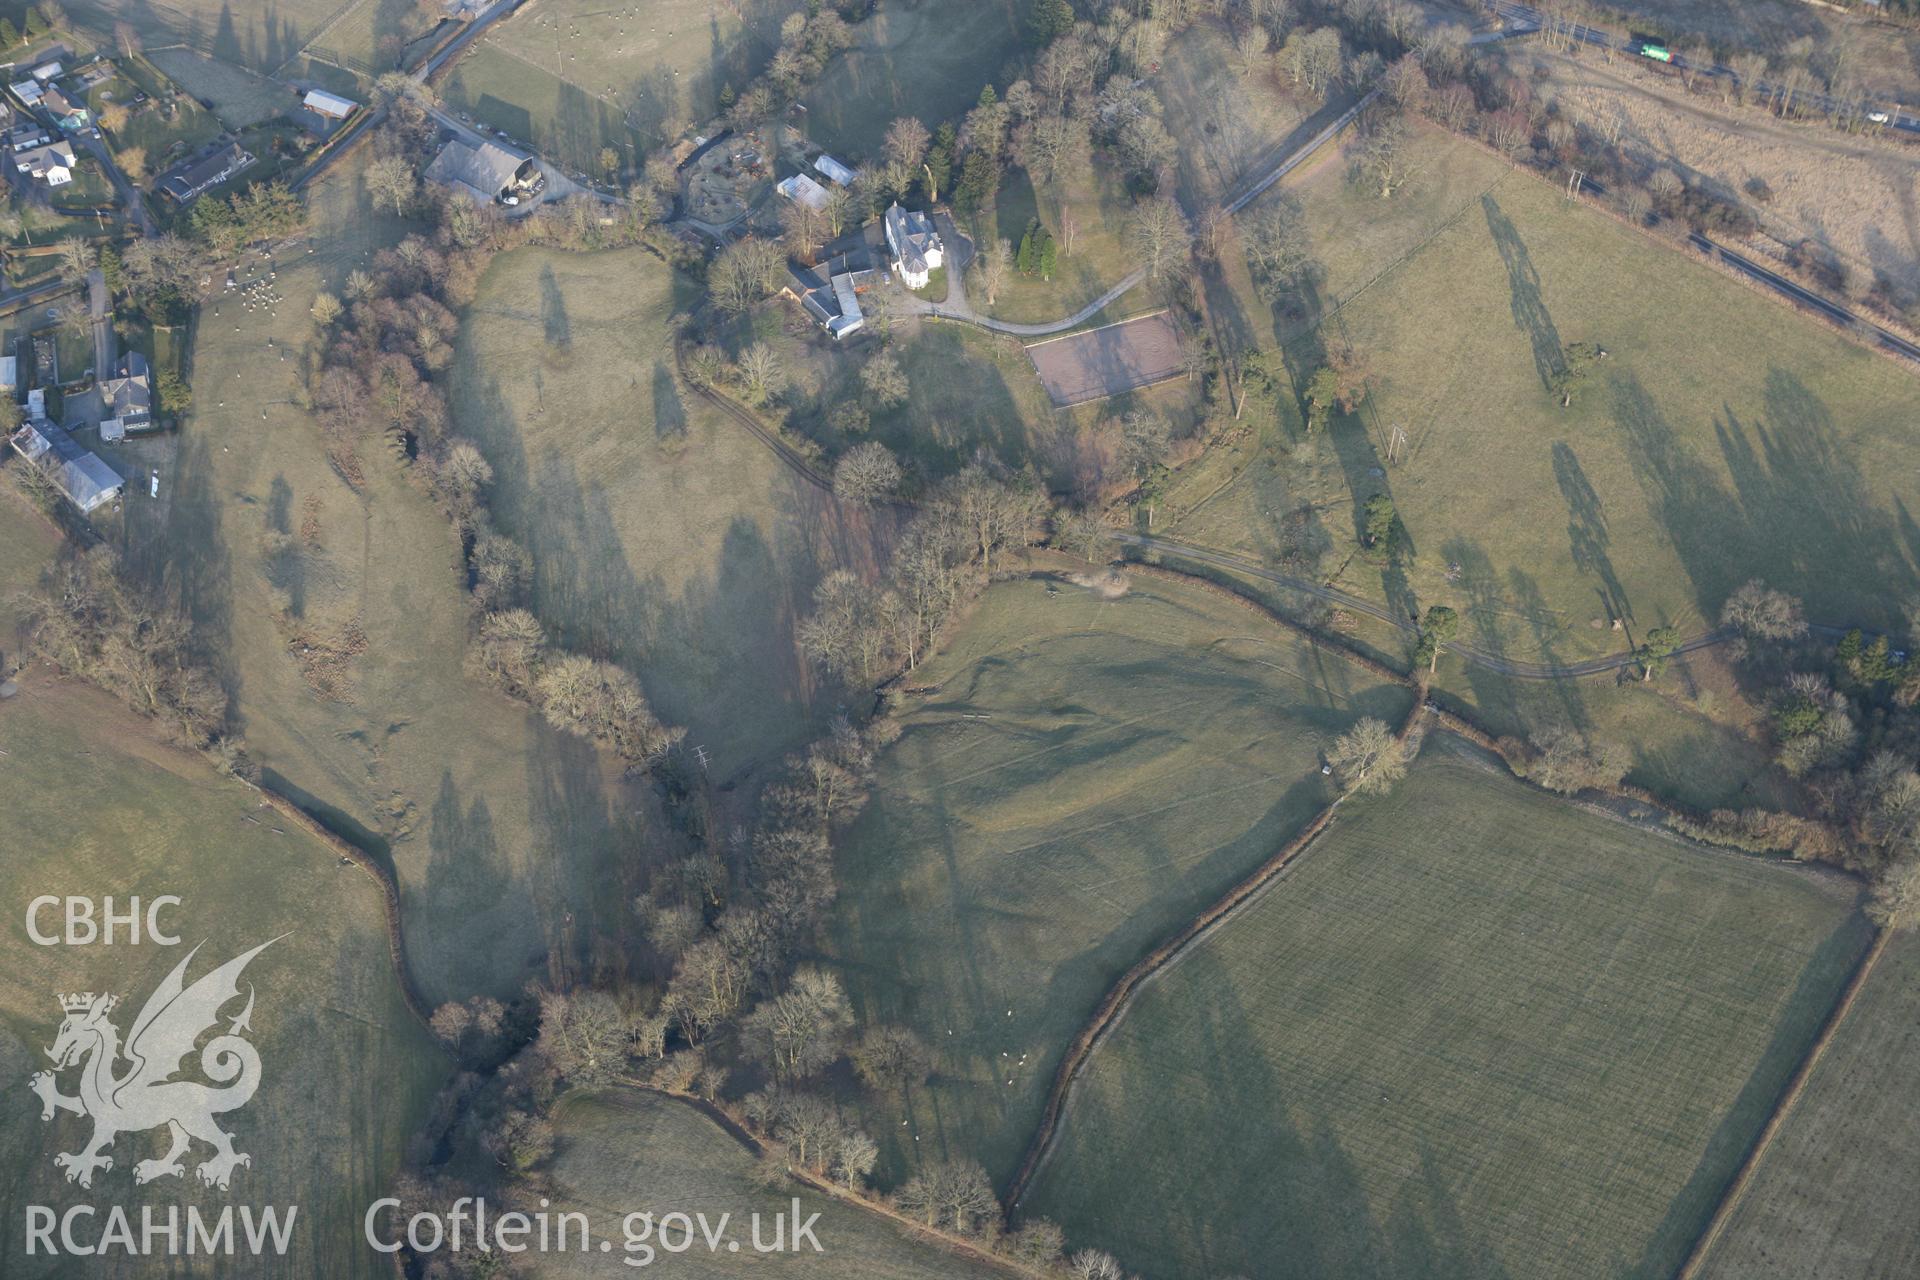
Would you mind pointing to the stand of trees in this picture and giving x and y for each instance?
(91, 620)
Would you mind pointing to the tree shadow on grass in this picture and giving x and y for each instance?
(1530, 313)
(1587, 531)
(1799, 512)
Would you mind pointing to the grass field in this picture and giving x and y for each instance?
(512, 842)
(924, 59)
(572, 77)
(1084, 775)
(623, 1151)
(1476, 1032)
(96, 806)
(372, 32)
(1721, 438)
(1828, 1199)
(664, 534)
(260, 34)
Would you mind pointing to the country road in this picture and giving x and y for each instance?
(1797, 293)
(1333, 595)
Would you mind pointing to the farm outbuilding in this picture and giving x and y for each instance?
(803, 190)
(834, 170)
(87, 481)
(329, 104)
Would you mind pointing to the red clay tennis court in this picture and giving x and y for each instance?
(1104, 362)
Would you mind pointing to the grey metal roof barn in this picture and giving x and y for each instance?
(485, 171)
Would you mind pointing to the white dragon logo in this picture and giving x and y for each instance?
(145, 1096)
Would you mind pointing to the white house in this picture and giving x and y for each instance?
(51, 164)
(803, 190)
(47, 71)
(916, 246)
(834, 170)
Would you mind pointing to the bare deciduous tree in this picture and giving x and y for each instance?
(1368, 757)
(867, 473)
(1159, 236)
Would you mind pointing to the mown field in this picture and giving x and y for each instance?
(1082, 775)
(96, 806)
(260, 34)
(1829, 1197)
(1475, 1032)
(924, 59)
(573, 77)
(511, 841)
(664, 534)
(623, 1151)
(1723, 437)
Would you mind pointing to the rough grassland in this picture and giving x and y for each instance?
(1225, 122)
(623, 1151)
(95, 806)
(573, 76)
(1724, 437)
(1830, 1197)
(1845, 192)
(512, 842)
(1476, 1032)
(1083, 777)
(664, 534)
(927, 59)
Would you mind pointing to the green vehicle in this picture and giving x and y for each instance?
(1651, 47)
